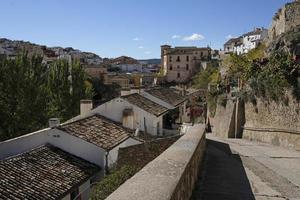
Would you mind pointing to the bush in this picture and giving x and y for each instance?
(112, 181)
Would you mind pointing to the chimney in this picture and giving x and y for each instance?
(86, 105)
(53, 122)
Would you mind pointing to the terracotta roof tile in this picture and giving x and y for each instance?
(145, 104)
(167, 95)
(98, 130)
(45, 172)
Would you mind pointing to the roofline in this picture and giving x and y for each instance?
(129, 136)
(97, 114)
(142, 108)
(78, 184)
(180, 102)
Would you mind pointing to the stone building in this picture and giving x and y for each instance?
(180, 63)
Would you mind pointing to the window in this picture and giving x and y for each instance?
(178, 66)
(178, 75)
(178, 59)
(170, 58)
(201, 54)
(187, 67)
(171, 67)
(187, 58)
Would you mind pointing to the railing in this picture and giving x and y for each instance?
(172, 175)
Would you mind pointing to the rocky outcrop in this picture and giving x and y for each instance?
(284, 33)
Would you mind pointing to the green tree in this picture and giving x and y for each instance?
(23, 95)
(67, 85)
(32, 92)
(209, 75)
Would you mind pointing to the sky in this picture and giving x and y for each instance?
(136, 28)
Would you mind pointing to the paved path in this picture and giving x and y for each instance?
(244, 170)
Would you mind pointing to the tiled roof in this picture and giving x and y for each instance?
(45, 172)
(255, 32)
(98, 130)
(167, 95)
(145, 104)
(233, 41)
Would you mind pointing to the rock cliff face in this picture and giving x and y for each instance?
(285, 20)
(284, 33)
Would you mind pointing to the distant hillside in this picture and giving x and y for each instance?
(123, 60)
(154, 61)
(12, 48)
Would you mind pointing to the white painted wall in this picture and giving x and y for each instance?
(182, 107)
(24, 143)
(57, 138)
(249, 42)
(77, 147)
(114, 110)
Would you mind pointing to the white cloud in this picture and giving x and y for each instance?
(147, 52)
(194, 37)
(176, 36)
(229, 37)
(140, 47)
(136, 39)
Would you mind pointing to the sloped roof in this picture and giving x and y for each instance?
(45, 172)
(255, 32)
(233, 40)
(98, 130)
(167, 95)
(145, 104)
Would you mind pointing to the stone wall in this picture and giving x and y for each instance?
(172, 175)
(273, 123)
(223, 122)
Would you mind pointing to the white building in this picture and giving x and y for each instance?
(246, 42)
(170, 99)
(94, 140)
(135, 112)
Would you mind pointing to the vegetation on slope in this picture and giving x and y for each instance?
(111, 182)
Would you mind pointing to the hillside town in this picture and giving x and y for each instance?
(196, 123)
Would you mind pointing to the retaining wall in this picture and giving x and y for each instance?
(273, 123)
(172, 175)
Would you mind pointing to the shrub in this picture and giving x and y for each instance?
(111, 182)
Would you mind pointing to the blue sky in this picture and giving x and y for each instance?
(136, 28)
